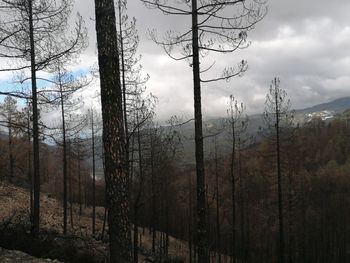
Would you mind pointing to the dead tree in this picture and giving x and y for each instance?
(237, 124)
(117, 182)
(212, 30)
(276, 116)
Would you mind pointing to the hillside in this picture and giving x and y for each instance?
(325, 111)
(14, 203)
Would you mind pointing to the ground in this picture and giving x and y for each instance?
(14, 256)
(14, 201)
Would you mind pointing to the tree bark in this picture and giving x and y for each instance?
(233, 192)
(93, 174)
(279, 179)
(65, 170)
(218, 228)
(36, 160)
(117, 182)
(79, 181)
(201, 225)
(10, 143)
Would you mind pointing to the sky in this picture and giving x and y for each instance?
(306, 43)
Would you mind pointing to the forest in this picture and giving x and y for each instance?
(90, 173)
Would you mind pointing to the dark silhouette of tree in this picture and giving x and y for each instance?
(117, 182)
(237, 124)
(92, 123)
(276, 116)
(219, 27)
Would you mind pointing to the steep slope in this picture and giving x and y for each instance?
(14, 203)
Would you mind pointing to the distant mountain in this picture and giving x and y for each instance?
(325, 111)
(337, 106)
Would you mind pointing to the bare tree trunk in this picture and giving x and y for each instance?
(218, 229)
(70, 186)
(137, 198)
(123, 87)
(241, 190)
(201, 226)
(153, 193)
(30, 174)
(190, 220)
(79, 182)
(104, 224)
(136, 236)
(303, 227)
(36, 158)
(12, 162)
(247, 246)
(117, 182)
(233, 193)
(290, 219)
(65, 171)
(279, 179)
(93, 174)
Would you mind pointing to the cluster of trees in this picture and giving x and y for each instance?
(34, 39)
(283, 198)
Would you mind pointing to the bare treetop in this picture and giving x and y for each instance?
(222, 28)
(50, 25)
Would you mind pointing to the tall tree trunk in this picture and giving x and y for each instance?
(65, 168)
(290, 219)
(136, 236)
(201, 226)
(70, 184)
(93, 174)
(303, 258)
(79, 181)
(241, 191)
(123, 87)
(279, 178)
(12, 162)
(138, 197)
(153, 193)
(30, 174)
(247, 245)
(218, 229)
(233, 192)
(36, 158)
(117, 183)
(190, 220)
(104, 224)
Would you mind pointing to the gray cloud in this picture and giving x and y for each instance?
(305, 43)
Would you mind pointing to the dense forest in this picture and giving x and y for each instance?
(269, 187)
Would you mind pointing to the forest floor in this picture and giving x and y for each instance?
(14, 256)
(14, 206)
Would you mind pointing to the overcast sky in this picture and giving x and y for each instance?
(306, 43)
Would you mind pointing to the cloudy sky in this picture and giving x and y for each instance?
(306, 43)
